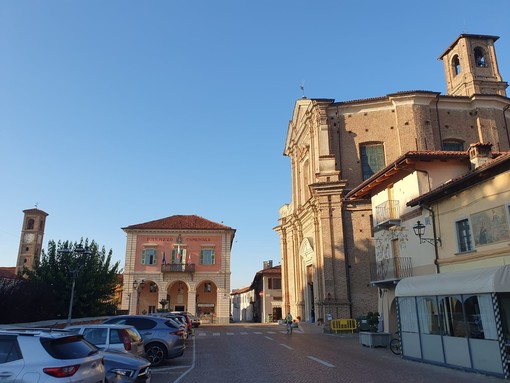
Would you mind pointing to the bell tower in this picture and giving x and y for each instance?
(31, 240)
(471, 67)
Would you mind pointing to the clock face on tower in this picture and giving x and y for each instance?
(29, 237)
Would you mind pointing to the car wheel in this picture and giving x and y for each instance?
(155, 353)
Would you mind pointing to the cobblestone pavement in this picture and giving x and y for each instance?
(265, 353)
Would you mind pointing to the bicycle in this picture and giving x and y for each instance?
(395, 345)
(289, 327)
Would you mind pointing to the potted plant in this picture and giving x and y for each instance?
(368, 335)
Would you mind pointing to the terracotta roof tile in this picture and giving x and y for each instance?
(182, 222)
(7, 272)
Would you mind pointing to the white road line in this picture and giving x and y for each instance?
(321, 361)
(288, 347)
(268, 337)
(271, 332)
(243, 333)
(216, 334)
(257, 332)
(192, 364)
(230, 333)
(201, 334)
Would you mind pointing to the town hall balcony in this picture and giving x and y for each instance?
(178, 268)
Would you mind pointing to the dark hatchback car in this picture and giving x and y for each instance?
(163, 340)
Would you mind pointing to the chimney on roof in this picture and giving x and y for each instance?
(479, 154)
(267, 265)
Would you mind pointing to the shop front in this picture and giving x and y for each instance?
(457, 319)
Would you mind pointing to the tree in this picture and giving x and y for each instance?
(96, 278)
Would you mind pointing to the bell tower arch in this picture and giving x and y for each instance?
(471, 66)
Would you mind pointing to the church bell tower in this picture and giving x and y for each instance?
(471, 67)
(31, 240)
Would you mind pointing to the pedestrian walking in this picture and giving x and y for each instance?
(288, 321)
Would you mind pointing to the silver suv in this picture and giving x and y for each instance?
(45, 356)
(108, 337)
(163, 340)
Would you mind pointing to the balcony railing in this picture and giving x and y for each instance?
(178, 268)
(387, 213)
(390, 270)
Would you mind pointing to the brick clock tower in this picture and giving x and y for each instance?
(31, 240)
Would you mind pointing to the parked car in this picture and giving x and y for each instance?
(163, 340)
(187, 315)
(177, 320)
(108, 337)
(48, 356)
(121, 367)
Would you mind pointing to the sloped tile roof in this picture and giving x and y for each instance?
(181, 222)
(7, 272)
(497, 165)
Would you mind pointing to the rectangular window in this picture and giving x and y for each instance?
(179, 255)
(464, 240)
(372, 159)
(149, 256)
(274, 283)
(207, 257)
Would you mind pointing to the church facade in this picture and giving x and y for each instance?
(327, 242)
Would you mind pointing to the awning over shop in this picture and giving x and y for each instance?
(486, 280)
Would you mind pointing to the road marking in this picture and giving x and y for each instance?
(268, 337)
(257, 332)
(321, 361)
(288, 347)
(271, 332)
(202, 334)
(192, 364)
(216, 334)
(243, 333)
(230, 333)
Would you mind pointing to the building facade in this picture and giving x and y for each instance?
(31, 241)
(267, 294)
(178, 263)
(327, 242)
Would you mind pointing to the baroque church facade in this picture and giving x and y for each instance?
(326, 242)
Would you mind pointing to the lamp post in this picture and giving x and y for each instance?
(138, 287)
(80, 251)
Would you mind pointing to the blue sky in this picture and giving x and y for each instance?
(114, 113)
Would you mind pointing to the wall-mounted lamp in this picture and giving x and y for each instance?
(419, 231)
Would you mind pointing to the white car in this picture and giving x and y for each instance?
(109, 337)
(48, 356)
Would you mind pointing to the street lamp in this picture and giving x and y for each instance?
(419, 231)
(138, 287)
(80, 251)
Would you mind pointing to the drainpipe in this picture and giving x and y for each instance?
(436, 260)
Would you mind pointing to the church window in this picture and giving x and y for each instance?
(372, 159)
(480, 59)
(456, 65)
(30, 224)
(453, 146)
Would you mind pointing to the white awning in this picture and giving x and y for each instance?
(486, 280)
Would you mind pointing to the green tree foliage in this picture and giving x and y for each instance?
(96, 278)
(24, 301)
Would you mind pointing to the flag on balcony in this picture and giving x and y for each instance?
(189, 259)
(178, 255)
(163, 260)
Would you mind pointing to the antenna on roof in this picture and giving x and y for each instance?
(302, 86)
(36, 204)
